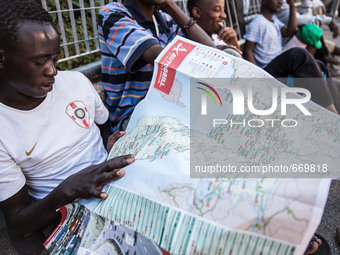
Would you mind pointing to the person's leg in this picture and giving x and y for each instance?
(31, 244)
(299, 63)
(26, 244)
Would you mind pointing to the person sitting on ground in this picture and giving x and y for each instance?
(51, 149)
(210, 16)
(263, 47)
(131, 37)
(307, 37)
(309, 17)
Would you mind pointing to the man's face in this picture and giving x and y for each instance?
(211, 14)
(273, 6)
(29, 66)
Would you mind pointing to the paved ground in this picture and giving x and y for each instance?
(330, 220)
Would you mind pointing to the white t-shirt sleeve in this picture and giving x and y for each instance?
(101, 113)
(11, 177)
(254, 31)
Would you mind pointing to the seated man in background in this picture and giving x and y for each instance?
(263, 47)
(51, 149)
(210, 16)
(309, 37)
(308, 16)
(131, 37)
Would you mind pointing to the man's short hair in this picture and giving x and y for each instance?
(13, 13)
(191, 4)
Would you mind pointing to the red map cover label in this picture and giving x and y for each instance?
(169, 63)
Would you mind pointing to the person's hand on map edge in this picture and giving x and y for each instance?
(229, 46)
(113, 139)
(89, 182)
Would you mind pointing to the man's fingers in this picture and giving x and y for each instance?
(234, 48)
(118, 162)
(107, 177)
(113, 138)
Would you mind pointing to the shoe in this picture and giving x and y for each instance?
(324, 248)
(332, 60)
(333, 72)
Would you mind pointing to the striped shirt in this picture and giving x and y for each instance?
(125, 34)
(267, 36)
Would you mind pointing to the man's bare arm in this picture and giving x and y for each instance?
(25, 216)
(248, 51)
(195, 32)
(290, 30)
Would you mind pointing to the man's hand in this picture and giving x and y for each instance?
(228, 46)
(26, 216)
(166, 6)
(195, 32)
(290, 2)
(113, 139)
(229, 36)
(334, 28)
(89, 182)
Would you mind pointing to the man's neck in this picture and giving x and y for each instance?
(146, 9)
(267, 14)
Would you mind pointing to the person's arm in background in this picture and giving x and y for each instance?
(292, 21)
(248, 51)
(194, 32)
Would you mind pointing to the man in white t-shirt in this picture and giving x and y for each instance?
(51, 149)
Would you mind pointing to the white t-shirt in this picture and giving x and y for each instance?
(267, 36)
(43, 146)
(303, 19)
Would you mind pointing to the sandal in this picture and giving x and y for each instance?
(324, 248)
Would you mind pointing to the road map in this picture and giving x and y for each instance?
(168, 201)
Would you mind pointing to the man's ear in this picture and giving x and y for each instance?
(196, 13)
(2, 58)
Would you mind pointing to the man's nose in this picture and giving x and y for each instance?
(51, 69)
(223, 15)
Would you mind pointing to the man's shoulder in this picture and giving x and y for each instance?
(256, 23)
(71, 79)
(258, 20)
(112, 8)
(166, 16)
(70, 75)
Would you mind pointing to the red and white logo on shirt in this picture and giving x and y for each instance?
(78, 113)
